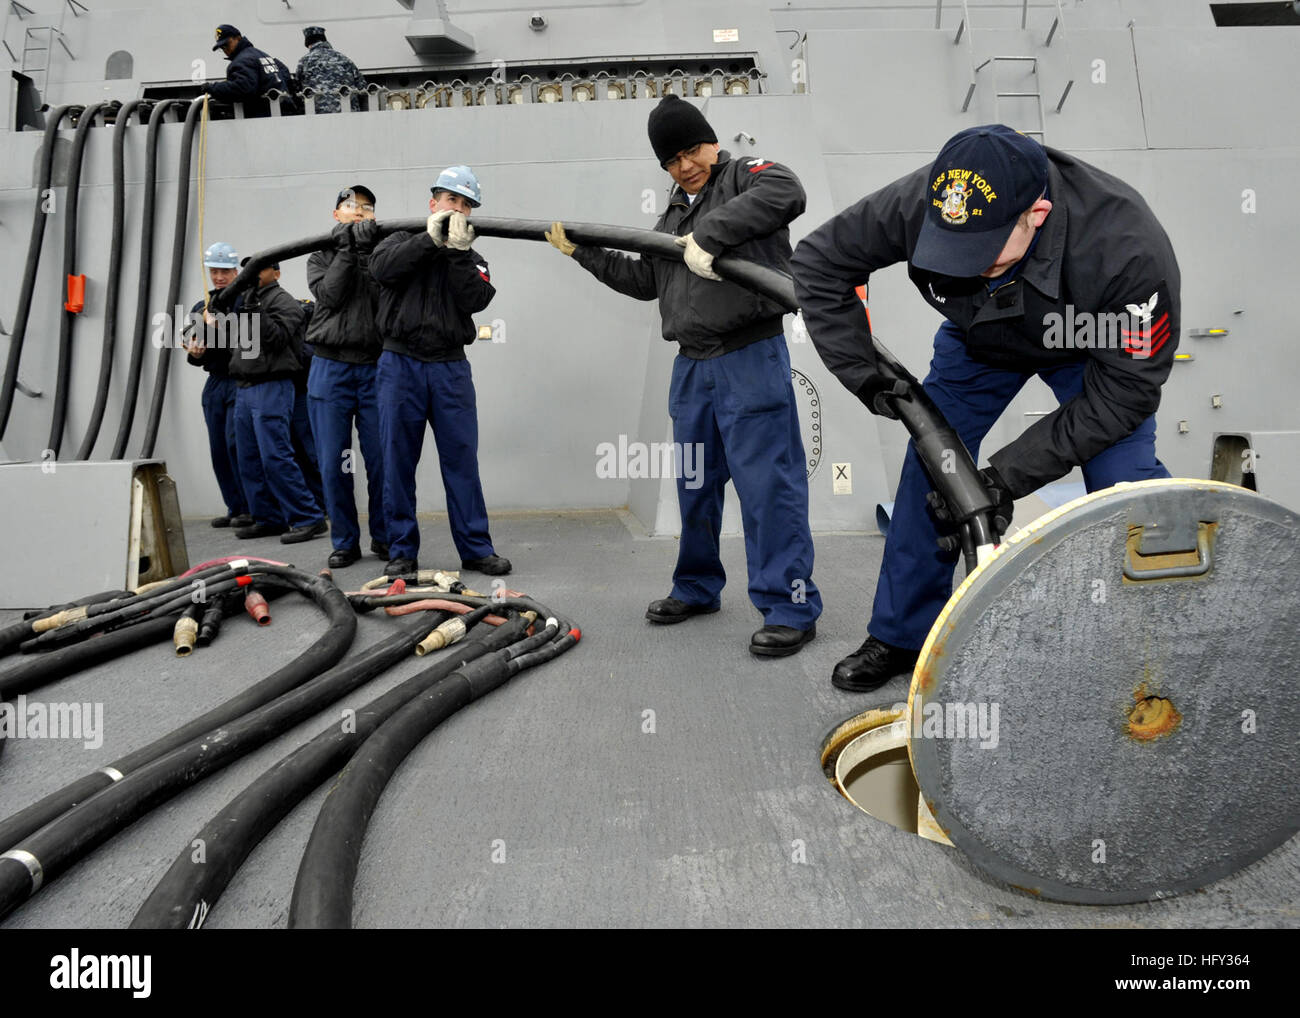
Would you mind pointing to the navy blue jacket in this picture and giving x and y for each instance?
(1100, 253)
(427, 296)
(219, 345)
(279, 323)
(249, 74)
(342, 326)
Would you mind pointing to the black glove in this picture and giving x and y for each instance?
(999, 495)
(343, 237)
(365, 234)
(878, 394)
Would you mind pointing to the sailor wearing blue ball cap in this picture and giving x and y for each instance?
(1013, 243)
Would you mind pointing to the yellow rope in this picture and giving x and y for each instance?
(200, 196)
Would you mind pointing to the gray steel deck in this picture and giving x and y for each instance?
(697, 824)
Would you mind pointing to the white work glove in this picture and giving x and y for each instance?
(437, 225)
(697, 259)
(460, 235)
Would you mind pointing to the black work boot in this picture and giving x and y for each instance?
(669, 610)
(872, 665)
(492, 565)
(780, 641)
(341, 558)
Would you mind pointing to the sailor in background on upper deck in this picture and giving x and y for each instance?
(249, 75)
(324, 69)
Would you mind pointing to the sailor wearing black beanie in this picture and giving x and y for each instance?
(731, 400)
(676, 125)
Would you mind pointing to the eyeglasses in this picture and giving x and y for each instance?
(350, 204)
(689, 153)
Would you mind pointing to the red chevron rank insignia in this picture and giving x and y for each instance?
(1147, 339)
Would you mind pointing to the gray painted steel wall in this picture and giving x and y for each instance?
(1191, 115)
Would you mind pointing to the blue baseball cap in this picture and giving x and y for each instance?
(981, 183)
(225, 32)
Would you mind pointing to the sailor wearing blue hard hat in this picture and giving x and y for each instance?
(218, 401)
(430, 284)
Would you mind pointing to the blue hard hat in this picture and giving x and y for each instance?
(460, 180)
(221, 256)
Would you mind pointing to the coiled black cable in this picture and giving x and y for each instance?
(322, 655)
(189, 889)
(95, 818)
(114, 618)
(42, 669)
(322, 893)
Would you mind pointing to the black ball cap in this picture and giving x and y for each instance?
(355, 191)
(225, 32)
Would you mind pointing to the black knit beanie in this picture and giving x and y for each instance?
(676, 125)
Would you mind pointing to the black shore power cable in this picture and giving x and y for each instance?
(144, 281)
(39, 217)
(174, 285)
(68, 320)
(322, 893)
(188, 890)
(111, 280)
(326, 652)
(945, 458)
(97, 815)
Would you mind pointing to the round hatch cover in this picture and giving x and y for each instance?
(1108, 710)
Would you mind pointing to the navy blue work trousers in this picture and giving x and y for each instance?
(339, 395)
(413, 394)
(277, 493)
(737, 414)
(219, 415)
(915, 575)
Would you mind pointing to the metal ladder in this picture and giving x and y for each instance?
(38, 41)
(1030, 91)
(1035, 95)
